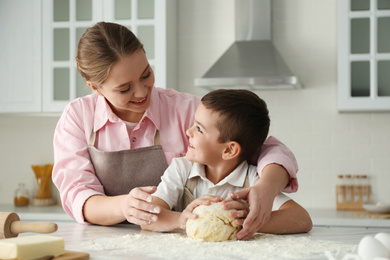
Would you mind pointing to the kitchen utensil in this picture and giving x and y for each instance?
(43, 175)
(11, 226)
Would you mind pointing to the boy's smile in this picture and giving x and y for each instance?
(204, 147)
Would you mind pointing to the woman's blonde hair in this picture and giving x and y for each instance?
(100, 47)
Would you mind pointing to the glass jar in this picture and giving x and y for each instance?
(21, 196)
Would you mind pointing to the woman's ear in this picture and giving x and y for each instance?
(93, 87)
(232, 150)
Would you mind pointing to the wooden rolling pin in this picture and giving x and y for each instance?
(11, 226)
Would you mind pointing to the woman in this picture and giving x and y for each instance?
(111, 147)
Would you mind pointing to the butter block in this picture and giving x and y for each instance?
(31, 247)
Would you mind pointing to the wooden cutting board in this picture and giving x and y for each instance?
(71, 255)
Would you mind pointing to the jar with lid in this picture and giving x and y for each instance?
(341, 189)
(21, 196)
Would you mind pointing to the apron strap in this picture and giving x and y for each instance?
(92, 138)
(189, 188)
(157, 138)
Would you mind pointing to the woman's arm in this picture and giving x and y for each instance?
(134, 207)
(260, 198)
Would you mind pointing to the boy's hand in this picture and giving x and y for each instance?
(187, 212)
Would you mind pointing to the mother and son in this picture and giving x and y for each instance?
(133, 152)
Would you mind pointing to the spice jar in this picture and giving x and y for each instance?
(21, 196)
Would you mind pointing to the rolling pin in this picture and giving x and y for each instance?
(11, 226)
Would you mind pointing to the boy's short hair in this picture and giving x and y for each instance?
(243, 118)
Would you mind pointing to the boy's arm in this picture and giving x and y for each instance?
(291, 218)
(167, 220)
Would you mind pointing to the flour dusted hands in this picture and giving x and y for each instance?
(137, 207)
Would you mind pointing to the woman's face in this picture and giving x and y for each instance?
(129, 86)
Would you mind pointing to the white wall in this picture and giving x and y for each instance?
(325, 142)
(24, 141)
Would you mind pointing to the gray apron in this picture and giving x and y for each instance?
(121, 171)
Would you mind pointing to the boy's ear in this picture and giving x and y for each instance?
(232, 150)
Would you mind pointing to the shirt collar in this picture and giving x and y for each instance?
(235, 178)
(104, 113)
(153, 111)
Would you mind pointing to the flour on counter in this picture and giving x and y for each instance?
(178, 245)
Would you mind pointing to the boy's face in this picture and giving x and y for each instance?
(203, 136)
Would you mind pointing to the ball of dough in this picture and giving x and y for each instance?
(213, 223)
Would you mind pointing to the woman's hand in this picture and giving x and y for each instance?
(260, 206)
(260, 198)
(241, 207)
(137, 207)
(187, 212)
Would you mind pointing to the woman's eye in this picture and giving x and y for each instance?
(147, 75)
(125, 91)
(198, 129)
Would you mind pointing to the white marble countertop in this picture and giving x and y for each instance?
(129, 242)
(336, 218)
(333, 230)
(37, 213)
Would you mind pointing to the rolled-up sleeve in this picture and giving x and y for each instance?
(274, 151)
(73, 172)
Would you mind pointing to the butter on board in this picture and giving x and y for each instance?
(31, 247)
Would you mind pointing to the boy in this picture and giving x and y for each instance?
(230, 127)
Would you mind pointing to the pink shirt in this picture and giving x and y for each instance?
(171, 112)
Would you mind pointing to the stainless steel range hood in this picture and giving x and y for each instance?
(252, 61)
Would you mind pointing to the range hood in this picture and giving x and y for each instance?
(252, 61)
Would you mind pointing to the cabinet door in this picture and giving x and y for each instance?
(364, 55)
(20, 46)
(66, 20)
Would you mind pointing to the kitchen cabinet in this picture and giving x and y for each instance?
(40, 70)
(20, 47)
(364, 55)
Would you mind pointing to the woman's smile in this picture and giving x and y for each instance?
(140, 102)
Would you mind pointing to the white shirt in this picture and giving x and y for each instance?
(171, 187)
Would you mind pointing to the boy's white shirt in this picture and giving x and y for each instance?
(171, 187)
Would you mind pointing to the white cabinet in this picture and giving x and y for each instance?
(43, 77)
(20, 60)
(364, 55)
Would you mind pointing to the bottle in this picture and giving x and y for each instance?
(340, 189)
(21, 196)
(357, 190)
(365, 189)
(349, 190)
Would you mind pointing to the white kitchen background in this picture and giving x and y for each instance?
(325, 142)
